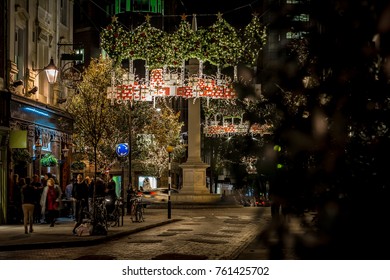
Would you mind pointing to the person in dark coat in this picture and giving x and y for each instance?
(111, 194)
(38, 192)
(28, 203)
(80, 194)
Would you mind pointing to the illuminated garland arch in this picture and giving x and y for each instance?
(253, 39)
(187, 43)
(115, 40)
(220, 44)
(224, 47)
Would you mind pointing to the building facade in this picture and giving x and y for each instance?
(33, 123)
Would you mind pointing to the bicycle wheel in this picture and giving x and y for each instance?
(101, 216)
(104, 218)
(86, 216)
(140, 216)
(114, 218)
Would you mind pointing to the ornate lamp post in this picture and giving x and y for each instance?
(38, 149)
(169, 150)
(62, 170)
(51, 72)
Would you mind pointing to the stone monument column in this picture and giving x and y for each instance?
(194, 187)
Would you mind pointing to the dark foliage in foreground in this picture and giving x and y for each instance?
(331, 92)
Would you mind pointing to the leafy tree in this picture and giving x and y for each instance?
(101, 124)
(95, 118)
(154, 131)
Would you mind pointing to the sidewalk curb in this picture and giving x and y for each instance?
(84, 241)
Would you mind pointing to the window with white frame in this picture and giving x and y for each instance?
(64, 12)
(20, 52)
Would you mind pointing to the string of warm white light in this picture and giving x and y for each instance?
(219, 44)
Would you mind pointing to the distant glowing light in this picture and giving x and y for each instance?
(277, 148)
(37, 112)
(279, 166)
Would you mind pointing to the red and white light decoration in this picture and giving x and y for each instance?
(229, 126)
(168, 85)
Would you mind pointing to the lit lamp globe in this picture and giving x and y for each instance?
(51, 72)
(169, 149)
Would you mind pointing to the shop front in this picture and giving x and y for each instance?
(39, 140)
(4, 139)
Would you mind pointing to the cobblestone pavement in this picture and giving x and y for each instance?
(215, 233)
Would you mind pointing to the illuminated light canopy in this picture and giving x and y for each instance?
(165, 55)
(157, 86)
(225, 118)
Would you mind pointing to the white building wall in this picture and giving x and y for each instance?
(40, 21)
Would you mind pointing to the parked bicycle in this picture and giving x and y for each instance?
(97, 215)
(114, 217)
(137, 209)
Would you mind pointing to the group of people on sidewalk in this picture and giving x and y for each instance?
(83, 192)
(41, 200)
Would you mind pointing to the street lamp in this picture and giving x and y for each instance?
(61, 167)
(169, 150)
(66, 71)
(51, 71)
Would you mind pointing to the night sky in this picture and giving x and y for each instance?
(235, 12)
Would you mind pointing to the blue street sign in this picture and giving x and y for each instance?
(122, 149)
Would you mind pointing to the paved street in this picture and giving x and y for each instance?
(211, 233)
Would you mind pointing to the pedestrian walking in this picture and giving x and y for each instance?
(71, 203)
(37, 202)
(111, 194)
(17, 199)
(130, 195)
(90, 186)
(44, 180)
(51, 201)
(80, 194)
(46, 177)
(28, 196)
